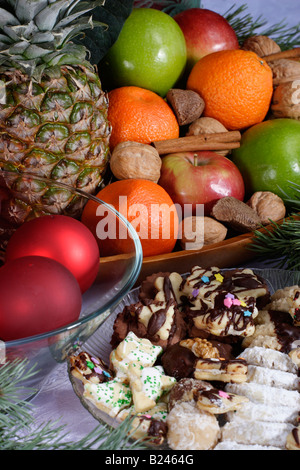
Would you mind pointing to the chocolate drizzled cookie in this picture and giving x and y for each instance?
(160, 322)
(222, 303)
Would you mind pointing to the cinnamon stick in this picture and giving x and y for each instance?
(217, 141)
(289, 54)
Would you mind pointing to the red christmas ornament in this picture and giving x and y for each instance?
(62, 238)
(37, 295)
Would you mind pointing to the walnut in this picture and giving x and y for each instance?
(236, 214)
(135, 160)
(284, 70)
(196, 232)
(186, 104)
(261, 45)
(201, 348)
(286, 100)
(207, 125)
(268, 206)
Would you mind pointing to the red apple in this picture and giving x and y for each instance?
(205, 31)
(200, 178)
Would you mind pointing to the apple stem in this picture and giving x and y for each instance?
(195, 159)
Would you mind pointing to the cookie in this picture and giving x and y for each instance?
(186, 390)
(294, 354)
(191, 429)
(163, 286)
(181, 360)
(110, 397)
(273, 377)
(160, 322)
(147, 385)
(234, 371)
(274, 330)
(256, 433)
(264, 394)
(205, 396)
(287, 300)
(133, 350)
(205, 284)
(265, 357)
(150, 426)
(219, 303)
(262, 412)
(89, 369)
(232, 445)
(293, 439)
(208, 349)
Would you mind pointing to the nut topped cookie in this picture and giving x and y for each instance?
(182, 360)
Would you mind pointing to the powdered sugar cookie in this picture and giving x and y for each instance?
(191, 429)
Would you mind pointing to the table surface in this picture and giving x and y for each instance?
(56, 400)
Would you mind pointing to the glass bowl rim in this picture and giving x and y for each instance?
(129, 284)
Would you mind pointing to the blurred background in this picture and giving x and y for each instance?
(273, 11)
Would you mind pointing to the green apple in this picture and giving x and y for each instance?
(150, 52)
(269, 157)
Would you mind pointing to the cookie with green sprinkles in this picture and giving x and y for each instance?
(148, 384)
(110, 397)
(133, 350)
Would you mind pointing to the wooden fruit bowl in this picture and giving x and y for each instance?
(228, 253)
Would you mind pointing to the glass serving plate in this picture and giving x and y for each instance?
(99, 343)
(44, 351)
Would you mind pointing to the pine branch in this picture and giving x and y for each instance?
(247, 26)
(18, 430)
(281, 241)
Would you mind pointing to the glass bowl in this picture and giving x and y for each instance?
(116, 276)
(99, 345)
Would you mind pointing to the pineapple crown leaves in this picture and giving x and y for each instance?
(39, 34)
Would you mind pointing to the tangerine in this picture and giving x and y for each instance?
(236, 86)
(140, 115)
(149, 209)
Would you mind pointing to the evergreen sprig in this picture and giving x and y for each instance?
(18, 430)
(246, 26)
(280, 241)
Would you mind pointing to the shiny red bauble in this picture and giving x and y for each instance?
(37, 295)
(61, 238)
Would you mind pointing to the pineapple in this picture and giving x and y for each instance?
(53, 111)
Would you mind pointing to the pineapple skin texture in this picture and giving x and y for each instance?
(57, 129)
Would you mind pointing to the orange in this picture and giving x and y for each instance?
(236, 86)
(140, 115)
(149, 209)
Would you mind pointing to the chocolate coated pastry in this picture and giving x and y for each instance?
(182, 360)
(160, 322)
